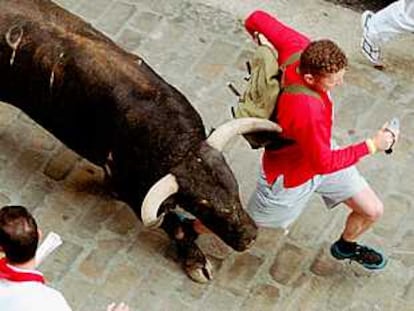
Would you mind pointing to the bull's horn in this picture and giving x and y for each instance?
(160, 191)
(219, 138)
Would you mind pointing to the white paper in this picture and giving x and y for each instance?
(49, 244)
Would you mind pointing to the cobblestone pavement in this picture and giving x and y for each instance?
(198, 46)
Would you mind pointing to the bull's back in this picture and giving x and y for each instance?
(79, 85)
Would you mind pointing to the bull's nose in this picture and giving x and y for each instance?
(244, 244)
(249, 236)
(249, 245)
(249, 233)
(251, 239)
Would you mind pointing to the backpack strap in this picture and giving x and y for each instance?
(291, 59)
(297, 88)
(300, 89)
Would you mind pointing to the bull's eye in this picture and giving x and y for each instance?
(199, 160)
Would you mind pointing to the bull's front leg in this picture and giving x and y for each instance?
(184, 234)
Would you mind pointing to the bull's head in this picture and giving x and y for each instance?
(204, 185)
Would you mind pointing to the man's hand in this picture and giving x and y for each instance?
(120, 307)
(385, 138)
(260, 39)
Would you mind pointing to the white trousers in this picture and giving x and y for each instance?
(396, 18)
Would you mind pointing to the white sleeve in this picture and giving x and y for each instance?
(58, 302)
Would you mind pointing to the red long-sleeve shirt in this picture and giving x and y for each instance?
(305, 119)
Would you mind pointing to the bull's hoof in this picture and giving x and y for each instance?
(195, 263)
(200, 273)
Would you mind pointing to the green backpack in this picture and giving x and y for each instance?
(263, 87)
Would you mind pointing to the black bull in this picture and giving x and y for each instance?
(110, 107)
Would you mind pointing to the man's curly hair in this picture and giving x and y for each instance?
(322, 57)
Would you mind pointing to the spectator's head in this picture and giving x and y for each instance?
(322, 65)
(19, 235)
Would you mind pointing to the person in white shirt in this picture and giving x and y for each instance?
(22, 287)
(383, 26)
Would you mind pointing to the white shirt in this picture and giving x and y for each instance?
(30, 296)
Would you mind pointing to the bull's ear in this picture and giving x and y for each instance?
(219, 138)
(158, 193)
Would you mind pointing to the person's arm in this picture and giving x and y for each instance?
(285, 39)
(306, 124)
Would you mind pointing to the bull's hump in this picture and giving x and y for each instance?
(48, 27)
(105, 60)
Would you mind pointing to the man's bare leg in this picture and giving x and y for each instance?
(366, 208)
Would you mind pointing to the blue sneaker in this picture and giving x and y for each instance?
(364, 255)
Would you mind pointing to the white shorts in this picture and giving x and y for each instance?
(276, 206)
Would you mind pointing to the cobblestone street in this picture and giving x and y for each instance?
(198, 46)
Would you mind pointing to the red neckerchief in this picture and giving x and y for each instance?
(8, 273)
